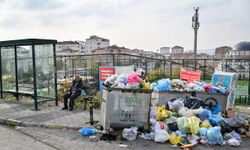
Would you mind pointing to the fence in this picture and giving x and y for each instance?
(155, 68)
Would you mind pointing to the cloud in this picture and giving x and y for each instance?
(143, 24)
(11, 22)
(36, 5)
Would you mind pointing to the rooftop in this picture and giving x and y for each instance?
(22, 42)
(242, 46)
(177, 47)
(67, 42)
(97, 37)
(113, 47)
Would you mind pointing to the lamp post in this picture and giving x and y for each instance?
(195, 26)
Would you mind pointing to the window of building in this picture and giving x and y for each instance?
(98, 43)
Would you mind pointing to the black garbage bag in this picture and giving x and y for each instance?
(193, 102)
(173, 126)
(225, 128)
(108, 137)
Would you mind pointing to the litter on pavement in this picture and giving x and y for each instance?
(183, 121)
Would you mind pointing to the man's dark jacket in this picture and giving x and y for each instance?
(76, 86)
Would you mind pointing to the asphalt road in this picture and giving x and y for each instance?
(30, 138)
(72, 140)
(11, 139)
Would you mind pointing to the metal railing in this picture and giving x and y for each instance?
(155, 68)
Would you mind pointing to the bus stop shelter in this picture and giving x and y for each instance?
(28, 68)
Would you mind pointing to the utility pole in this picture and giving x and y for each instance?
(195, 26)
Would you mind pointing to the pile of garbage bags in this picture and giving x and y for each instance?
(132, 81)
(183, 126)
(181, 85)
(181, 121)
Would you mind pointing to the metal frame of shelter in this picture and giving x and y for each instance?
(29, 42)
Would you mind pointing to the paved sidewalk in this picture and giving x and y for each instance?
(18, 113)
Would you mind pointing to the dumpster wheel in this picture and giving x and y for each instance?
(210, 103)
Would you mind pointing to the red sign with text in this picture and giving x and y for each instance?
(106, 72)
(190, 75)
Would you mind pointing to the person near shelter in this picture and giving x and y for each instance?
(143, 75)
(74, 91)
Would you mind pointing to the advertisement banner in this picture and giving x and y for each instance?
(190, 75)
(105, 72)
(227, 80)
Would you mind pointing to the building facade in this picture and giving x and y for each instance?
(177, 50)
(238, 60)
(95, 42)
(165, 50)
(69, 47)
(110, 49)
(136, 52)
(220, 52)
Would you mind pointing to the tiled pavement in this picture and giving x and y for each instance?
(51, 115)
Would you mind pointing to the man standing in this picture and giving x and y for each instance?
(73, 93)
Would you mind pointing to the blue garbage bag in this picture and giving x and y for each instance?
(203, 132)
(205, 115)
(214, 91)
(214, 136)
(87, 131)
(153, 86)
(223, 90)
(163, 85)
(216, 109)
(181, 133)
(214, 120)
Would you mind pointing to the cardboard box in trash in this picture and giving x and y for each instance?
(227, 80)
(123, 108)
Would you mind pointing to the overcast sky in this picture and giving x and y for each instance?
(143, 24)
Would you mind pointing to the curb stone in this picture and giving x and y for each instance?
(52, 126)
(28, 124)
(73, 128)
(13, 122)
